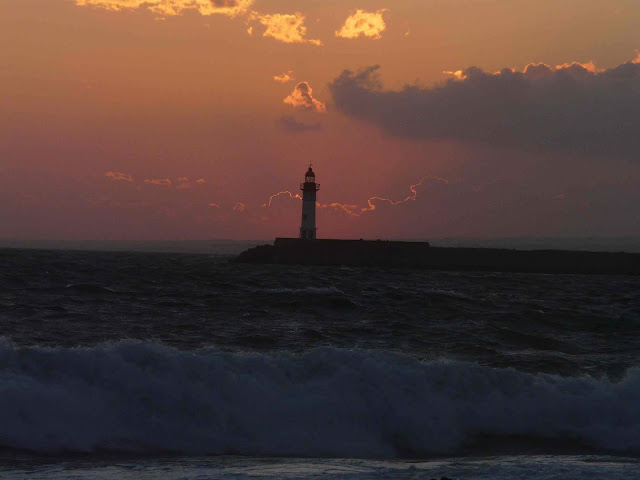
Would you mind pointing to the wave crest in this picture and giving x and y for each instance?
(136, 396)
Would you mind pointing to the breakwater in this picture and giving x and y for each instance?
(423, 255)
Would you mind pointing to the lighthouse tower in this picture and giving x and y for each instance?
(309, 189)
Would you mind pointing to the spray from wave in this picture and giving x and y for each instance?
(141, 397)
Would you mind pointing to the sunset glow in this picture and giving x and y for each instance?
(231, 8)
(193, 119)
(302, 97)
(361, 23)
(288, 28)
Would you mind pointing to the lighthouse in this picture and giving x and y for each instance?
(309, 189)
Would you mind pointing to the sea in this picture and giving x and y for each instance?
(134, 365)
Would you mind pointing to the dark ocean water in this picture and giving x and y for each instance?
(135, 365)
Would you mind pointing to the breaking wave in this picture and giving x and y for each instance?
(140, 397)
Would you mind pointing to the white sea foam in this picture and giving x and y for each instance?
(135, 396)
(252, 468)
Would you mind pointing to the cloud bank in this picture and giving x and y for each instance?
(230, 8)
(284, 27)
(361, 23)
(572, 107)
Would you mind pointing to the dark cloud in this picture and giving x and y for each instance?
(572, 107)
(292, 125)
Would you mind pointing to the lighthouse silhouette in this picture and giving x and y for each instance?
(309, 189)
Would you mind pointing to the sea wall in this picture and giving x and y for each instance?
(348, 252)
(422, 255)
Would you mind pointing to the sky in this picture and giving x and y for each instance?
(197, 119)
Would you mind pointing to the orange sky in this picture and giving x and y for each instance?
(179, 119)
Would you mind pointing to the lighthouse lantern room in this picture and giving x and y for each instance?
(309, 189)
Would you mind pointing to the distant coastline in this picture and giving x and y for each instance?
(628, 244)
(207, 247)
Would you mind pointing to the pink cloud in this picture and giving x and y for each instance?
(119, 176)
(159, 181)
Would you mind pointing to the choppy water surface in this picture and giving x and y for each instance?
(109, 362)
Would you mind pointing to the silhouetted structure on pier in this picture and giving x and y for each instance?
(308, 250)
